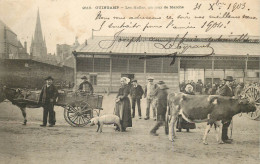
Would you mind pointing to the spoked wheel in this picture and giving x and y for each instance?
(77, 116)
(253, 93)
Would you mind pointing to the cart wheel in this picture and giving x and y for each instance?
(88, 110)
(253, 93)
(75, 116)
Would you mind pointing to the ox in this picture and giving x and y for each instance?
(203, 108)
(15, 96)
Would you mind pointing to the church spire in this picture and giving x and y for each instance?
(38, 29)
(38, 45)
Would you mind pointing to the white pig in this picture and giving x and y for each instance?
(107, 120)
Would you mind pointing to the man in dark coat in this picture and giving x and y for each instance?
(86, 86)
(47, 98)
(161, 96)
(226, 90)
(136, 93)
(199, 86)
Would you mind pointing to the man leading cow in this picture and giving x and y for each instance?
(161, 106)
(226, 90)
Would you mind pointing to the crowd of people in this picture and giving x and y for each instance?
(213, 89)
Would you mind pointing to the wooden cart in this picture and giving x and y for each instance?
(79, 107)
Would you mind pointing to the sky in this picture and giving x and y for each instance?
(63, 20)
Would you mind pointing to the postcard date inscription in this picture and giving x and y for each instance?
(205, 18)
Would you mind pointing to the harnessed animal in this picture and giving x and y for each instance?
(18, 97)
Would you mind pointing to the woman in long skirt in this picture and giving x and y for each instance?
(123, 106)
(181, 123)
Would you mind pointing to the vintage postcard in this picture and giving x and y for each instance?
(129, 81)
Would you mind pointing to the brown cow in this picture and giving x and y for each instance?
(203, 108)
(16, 96)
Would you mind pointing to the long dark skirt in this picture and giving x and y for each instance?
(123, 111)
(183, 124)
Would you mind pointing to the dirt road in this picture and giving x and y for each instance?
(65, 144)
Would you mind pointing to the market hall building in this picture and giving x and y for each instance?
(105, 60)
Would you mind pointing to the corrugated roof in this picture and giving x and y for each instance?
(103, 45)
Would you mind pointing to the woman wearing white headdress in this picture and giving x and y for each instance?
(123, 107)
(181, 123)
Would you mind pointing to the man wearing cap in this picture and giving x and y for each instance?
(149, 95)
(161, 105)
(86, 86)
(47, 98)
(226, 90)
(136, 93)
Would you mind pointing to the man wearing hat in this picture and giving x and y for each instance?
(226, 90)
(149, 95)
(136, 92)
(47, 98)
(86, 86)
(161, 105)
